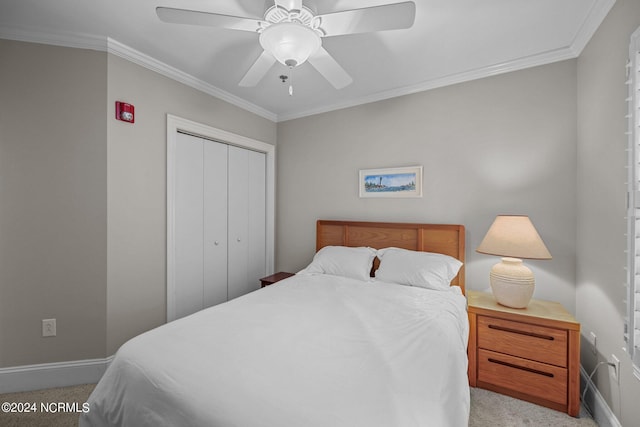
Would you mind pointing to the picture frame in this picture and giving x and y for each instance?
(400, 182)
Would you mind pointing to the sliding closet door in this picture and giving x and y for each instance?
(215, 223)
(247, 224)
(189, 239)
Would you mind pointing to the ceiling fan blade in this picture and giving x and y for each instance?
(369, 19)
(258, 70)
(330, 69)
(192, 17)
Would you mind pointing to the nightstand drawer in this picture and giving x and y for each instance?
(523, 376)
(535, 342)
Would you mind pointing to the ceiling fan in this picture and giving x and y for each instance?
(292, 34)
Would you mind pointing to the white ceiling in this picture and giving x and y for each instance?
(451, 41)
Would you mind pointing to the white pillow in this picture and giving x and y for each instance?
(343, 261)
(423, 269)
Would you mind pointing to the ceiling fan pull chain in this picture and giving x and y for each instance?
(291, 82)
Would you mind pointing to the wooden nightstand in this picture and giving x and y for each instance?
(531, 353)
(270, 280)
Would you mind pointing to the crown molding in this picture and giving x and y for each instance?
(75, 40)
(107, 44)
(452, 79)
(596, 15)
(119, 49)
(594, 18)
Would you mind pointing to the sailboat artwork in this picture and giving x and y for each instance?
(391, 182)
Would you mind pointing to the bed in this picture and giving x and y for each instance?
(343, 343)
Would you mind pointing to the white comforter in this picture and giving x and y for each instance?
(309, 351)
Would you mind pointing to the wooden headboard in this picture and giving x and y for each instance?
(446, 239)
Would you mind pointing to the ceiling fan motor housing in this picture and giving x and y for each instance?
(290, 43)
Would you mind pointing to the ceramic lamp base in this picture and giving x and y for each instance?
(512, 283)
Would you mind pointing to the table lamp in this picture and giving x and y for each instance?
(513, 237)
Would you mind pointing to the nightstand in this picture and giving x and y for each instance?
(270, 280)
(530, 353)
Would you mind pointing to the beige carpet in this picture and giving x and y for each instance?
(487, 410)
(77, 394)
(490, 409)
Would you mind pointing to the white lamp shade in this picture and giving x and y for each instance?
(513, 236)
(290, 43)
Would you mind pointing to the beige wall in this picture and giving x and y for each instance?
(53, 201)
(601, 224)
(505, 144)
(136, 290)
(83, 197)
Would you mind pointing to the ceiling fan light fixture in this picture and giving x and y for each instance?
(290, 43)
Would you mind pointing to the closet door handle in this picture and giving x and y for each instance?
(216, 243)
(238, 239)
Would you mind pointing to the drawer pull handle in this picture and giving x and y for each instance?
(522, 368)
(515, 331)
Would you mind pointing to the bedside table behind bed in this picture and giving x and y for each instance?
(270, 280)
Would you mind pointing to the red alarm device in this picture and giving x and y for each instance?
(125, 112)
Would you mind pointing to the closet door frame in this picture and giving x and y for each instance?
(177, 124)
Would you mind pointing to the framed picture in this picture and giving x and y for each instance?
(391, 182)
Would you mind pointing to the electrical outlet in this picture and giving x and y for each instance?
(48, 327)
(592, 341)
(614, 370)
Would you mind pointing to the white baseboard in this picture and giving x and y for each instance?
(600, 410)
(50, 375)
